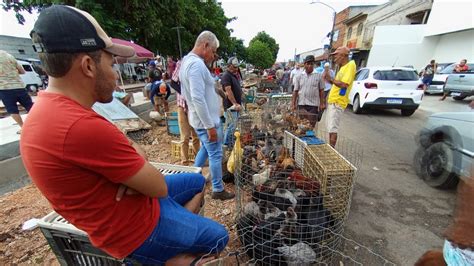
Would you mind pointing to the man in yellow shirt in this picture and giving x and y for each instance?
(338, 98)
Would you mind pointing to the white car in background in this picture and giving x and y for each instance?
(31, 79)
(386, 88)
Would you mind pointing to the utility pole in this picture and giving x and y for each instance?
(177, 28)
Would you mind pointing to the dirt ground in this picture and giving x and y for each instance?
(30, 247)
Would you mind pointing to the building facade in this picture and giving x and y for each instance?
(20, 48)
(445, 40)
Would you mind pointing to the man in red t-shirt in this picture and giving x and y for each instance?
(88, 170)
(461, 67)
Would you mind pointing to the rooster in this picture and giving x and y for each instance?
(310, 186)
(262, 177)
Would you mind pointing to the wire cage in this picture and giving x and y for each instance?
(285, 206)
(292, 196)
(348, 253)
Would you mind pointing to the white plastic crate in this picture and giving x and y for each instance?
(72, 246)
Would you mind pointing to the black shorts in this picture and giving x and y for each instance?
(11, 97)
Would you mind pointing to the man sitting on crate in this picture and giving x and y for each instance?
(308, 95)
(88, 170)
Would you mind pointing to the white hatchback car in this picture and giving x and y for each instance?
(386, 88)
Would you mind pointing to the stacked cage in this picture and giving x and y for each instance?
(285, 214)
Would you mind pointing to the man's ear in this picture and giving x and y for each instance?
(88, 66)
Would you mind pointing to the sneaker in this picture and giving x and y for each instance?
(223, 195)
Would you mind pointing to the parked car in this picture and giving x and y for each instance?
(460, 85)
(386, 88)
(31, 79)
(446, 149)
(436, 86)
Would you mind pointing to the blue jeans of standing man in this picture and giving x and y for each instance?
(213, 151)
(178, 230)
(231, 117)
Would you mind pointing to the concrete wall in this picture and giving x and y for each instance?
(402, 45)
(13, 45)
(449, 16)
(455, 46)
(407, 45)
(392, 13)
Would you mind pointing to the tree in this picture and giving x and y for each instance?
(260, 55)
(236, 48)
(269, 41)
(148, 23)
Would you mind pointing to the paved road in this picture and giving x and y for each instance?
(394, 212)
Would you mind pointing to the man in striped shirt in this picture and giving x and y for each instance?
(308, 95)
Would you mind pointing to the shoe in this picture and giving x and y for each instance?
(223, 195)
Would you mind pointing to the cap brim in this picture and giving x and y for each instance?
(120, 50)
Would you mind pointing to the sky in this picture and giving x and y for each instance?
(293, 24)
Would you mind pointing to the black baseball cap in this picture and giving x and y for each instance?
(66, 29)
(309, 58)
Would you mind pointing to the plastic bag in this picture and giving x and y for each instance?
(236, 154)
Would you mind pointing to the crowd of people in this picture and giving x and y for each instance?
(99, 180)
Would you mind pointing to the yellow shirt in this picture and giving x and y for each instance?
(346, 74)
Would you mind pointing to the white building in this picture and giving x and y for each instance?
(316, 52)
(447, 37)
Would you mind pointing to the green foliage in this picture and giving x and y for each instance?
(148, 23)
(269, 41)
(259, 55)
(236, 48)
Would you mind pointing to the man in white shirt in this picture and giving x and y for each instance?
(295, 72)
(197, 87)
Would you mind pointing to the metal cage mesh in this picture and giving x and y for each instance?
(292, 198)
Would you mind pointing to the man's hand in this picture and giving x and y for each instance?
(322, 106)
(237, 107)
(124, 190)
(212, 134)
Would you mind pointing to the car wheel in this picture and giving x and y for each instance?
(408, 112)
(459, 98)
(435, 166)
(356, 105)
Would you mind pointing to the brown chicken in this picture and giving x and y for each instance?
(302, 182)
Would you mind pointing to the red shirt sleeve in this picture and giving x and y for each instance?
(97, 145)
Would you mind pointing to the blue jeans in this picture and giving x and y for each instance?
(231, 124)
(213, 151)
(178, 230)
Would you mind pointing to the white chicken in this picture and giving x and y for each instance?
(299, 254)
(284, 193)
(253, 209)
(154, 115)
(272, 211)
(262, 177)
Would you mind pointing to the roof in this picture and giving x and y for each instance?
(361, 15)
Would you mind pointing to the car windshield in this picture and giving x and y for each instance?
(27, 68)
(395, 74)
(449, 69)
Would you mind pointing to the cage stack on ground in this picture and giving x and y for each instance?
(286, 214)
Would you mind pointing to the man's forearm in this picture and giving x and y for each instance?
(294, 99)
(230, 95)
